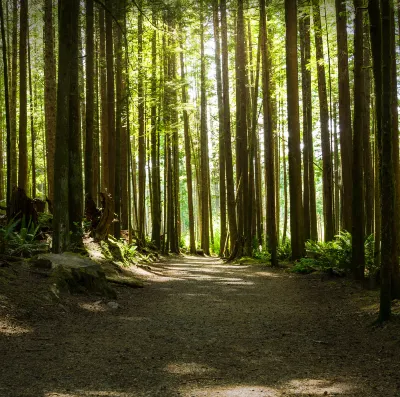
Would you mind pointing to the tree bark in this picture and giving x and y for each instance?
(344, 112)
(89, 186)
(296, 208)
(50, 95)
(7, 104)
(23, 100)
(104, 106)
(205, 218)
(75, 183)
(13, 99)
(188, 157)
(268, 139)
(222, 165)
(61, 163)
(155, 143)
(241, 138)
(230, 184)
(142, 136)
(110, 100)
(358, 255)
(324, 120)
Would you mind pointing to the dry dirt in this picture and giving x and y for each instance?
(199, 328)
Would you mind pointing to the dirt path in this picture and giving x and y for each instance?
(207, 329)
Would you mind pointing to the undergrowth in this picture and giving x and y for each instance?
(336, 254)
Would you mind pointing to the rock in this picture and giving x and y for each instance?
(75, 274)
(113, 305)
(41, 263)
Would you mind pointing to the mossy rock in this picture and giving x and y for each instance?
(72, 273)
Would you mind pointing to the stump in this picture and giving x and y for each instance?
(100, 219)
(72, 273)
(22, 207)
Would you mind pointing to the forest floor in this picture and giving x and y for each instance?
(200, 328)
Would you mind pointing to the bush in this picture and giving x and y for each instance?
(305, 266)
(284, 251)
(22, 243)
(338, 253)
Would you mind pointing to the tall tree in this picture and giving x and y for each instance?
(324, 121)
(222, 181)
(155, 144)
(23, 98)
(205, 217)
(230, 184)
(242, 165)
(13, 97)
(142, 134)
(309, 201)
(344, 112)
(110, 99)
(89, 169)
(6, 101)
(61, 164)
(358, 255)
(268, 139)
(296, 208)
(104, 105)
(50, 94)
(75, 182)
(118, 116)
(188, 157)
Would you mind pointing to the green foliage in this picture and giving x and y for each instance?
(335, 254)
(262, 256)
(119, 251)
(284, 251)
(305, 266)
(23, 242)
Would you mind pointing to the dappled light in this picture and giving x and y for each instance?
(9, 328)
(193, 369)
(231, 391)
(318, 387)
(95, 307)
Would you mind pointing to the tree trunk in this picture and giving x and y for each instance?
(324, 120)
(188, 157)
(142, 134)
(310, 208)
(344, 113)
(6, 102)
(381, 56)
(118, 118)
(241, 138)
(13, 99)
(367, 160)
(268, 139)
(155, 144)
(75, 183)
(89, 186)
(104, 106)
(222, 165)
(23, 114)
(205, 219)
(61, 163)
(358, 255)
(296, 208)
(230, 184)
(110, 100)
(50, 94)
(33, 135)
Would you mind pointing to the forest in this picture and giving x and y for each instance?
(228, 144)
(238, 129)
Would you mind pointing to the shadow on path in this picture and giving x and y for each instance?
(209, 329)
